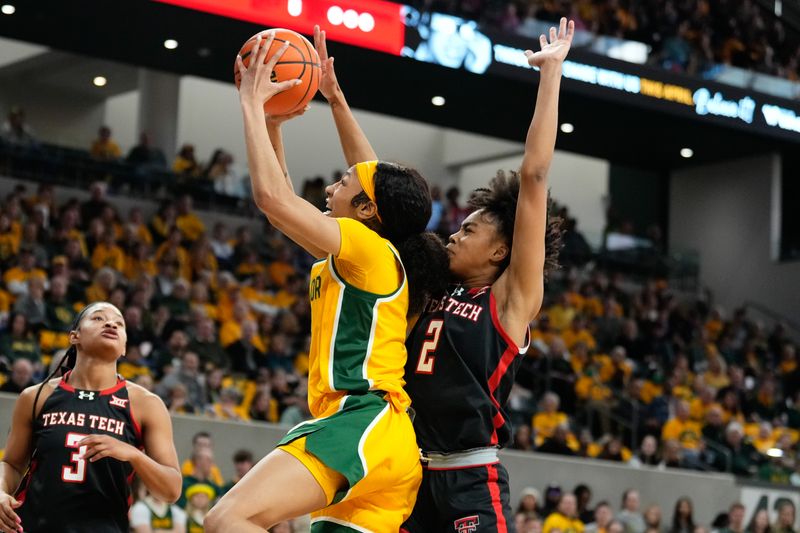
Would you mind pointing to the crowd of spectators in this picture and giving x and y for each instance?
(684, 35)
(561, 511)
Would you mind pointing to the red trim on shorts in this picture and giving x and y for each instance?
(494, 492)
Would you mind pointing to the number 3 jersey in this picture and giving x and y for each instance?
(460, 370)
(64, 493)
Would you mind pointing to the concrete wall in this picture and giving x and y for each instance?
(710, 493)
(730, 212)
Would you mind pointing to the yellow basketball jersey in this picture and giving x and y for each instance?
(359, 301)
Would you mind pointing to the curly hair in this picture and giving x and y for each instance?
(404, 203)
(499, 202)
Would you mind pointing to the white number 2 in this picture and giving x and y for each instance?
(425, 363)
(76, 474)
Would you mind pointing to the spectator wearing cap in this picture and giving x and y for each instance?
(199, 498)
(565, 518)
(630, 516)
(529, 500)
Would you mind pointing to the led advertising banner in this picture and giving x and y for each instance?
(458, 43)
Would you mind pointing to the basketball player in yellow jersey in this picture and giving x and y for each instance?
(355, 466)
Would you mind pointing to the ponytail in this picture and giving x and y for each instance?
(404, 204)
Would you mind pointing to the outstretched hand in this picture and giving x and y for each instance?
(328, 84)
(556, 50)
(256, 84)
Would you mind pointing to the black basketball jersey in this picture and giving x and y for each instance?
(62, 492)
(460, 370)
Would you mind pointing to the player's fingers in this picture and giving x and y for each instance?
(277, 55)
(240, 65)
(9, 520)
(288, 84)
(562, 28)
(553, 35)
(266, 44)
(542, 41)
(570, 30)
(319, 44)
(323, 43)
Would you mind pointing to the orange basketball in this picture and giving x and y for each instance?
(300, 61)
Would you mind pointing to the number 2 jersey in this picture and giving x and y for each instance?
(460, 370)
(64, 493)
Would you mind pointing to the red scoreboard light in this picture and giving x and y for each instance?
(374, 24)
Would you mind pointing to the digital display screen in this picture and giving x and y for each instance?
(459, 43)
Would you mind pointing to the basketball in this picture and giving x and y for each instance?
(300, 61)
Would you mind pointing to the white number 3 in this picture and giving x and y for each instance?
(78, 473)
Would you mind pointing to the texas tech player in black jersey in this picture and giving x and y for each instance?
(460, 370)
(95, 496)
(74, 443)
(465, 352)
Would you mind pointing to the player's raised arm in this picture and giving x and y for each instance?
(355, 145)
(298, 219)
(520, 289)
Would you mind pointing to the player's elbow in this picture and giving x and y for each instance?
(534, 173)
(171, 493)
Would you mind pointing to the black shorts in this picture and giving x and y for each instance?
(466, 500)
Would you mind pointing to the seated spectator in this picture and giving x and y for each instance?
(108, 254)
(96, 204)
(629, 514)
(744, 458)
(229, 406)
(557, 442)
(32, 304)
(652, 519)
(19, 342)
(16, 130)
(682, 517)
(146, 156)
(203, 462)
(648, 453)
(16, 278)
(242, 463)
(202, 441)
(523, 438)
(565, 517)
(247, 354)
(187, 222)
(760, 522)
(786, 518)
(549, 417)
(198, 502)
(264, 407)
(221, 172)
(529, 502)
(151, 515)
(133, 364)
(21, 377)
(188, 374)
(185, 162)
(603, 515)
(684, 430)
(104, 148)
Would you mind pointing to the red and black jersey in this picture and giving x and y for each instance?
(62, 492)
(460, 370)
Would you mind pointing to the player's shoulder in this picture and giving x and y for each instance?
(43, 390)
(144, 401)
